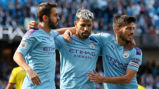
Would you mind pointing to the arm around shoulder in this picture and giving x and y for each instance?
(62, 30)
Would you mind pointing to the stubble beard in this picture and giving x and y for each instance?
(83, 37)
(124, 39)
(51, 24)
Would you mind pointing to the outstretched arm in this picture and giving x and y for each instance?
(114, 80)
(35, 25)
(62, 30)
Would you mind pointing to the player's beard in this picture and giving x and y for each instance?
(129, 43)
(82, 36)
(51, 24)
(123, 38)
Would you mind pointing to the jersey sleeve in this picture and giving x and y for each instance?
(13, 75)
(59, 41)
(57, 38)
(135, 60)
(102, 38)
(26, 44)
(54, 33)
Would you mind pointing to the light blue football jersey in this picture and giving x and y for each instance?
(116, 61)
(38, 49)
(78, 57)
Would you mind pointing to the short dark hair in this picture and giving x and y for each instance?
(45, 9)
(122, 20)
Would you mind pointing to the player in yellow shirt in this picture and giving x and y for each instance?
(140, 87)
(16, 78)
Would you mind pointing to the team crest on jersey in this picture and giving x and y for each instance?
(52, 38)
(92, 45)
(126, 55)
(23, 44)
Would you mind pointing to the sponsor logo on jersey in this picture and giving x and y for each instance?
(43, 39)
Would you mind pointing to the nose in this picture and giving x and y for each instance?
(85, 28)
(58, 17)
(132, 31)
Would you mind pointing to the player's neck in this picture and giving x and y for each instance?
(45, 27)
(120, 41)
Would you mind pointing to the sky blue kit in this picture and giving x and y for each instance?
(38, 49)
(116, 60)
(78, 57)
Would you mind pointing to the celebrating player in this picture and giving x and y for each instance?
(36, 52)
(16, 78)
(79, 56)
(121, 58)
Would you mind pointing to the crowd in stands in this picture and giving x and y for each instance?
(19, 12)
(148, 75)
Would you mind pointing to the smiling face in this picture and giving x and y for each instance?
(83, 28)
(126, 32)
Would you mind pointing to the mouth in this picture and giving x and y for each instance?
(85, 34)
(130, 37)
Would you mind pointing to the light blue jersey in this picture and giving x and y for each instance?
(38, 49)
(78, 57)
(116, 61)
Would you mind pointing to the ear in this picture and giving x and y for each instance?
(117, 29)
(45, 18)
(75, 23)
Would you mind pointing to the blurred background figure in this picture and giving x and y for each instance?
(140, 87)
(16, 78)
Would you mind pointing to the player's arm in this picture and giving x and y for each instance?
(18, 58)
(26, 44)
(34, 25)
(115, 80)
(10, 86)
(63, 30)
(132, 69)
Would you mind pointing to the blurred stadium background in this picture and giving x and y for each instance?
(15, 15)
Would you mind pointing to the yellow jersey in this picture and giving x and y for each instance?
(17, 76)
(140, 87)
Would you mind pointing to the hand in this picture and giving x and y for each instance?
(95, 77)
(34, 77)
(33, 25)
(67, 35)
